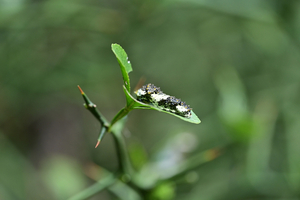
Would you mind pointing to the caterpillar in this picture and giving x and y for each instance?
(150, 94)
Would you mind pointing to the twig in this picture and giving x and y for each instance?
(94, 189)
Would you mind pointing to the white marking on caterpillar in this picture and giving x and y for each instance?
(150, 94)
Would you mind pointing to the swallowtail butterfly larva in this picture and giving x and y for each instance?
(150, 94)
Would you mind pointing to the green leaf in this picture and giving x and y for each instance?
(124, 63)
(139, 105)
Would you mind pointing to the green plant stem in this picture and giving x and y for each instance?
(126, 169)
(95, 188)
(93, 109)
(98, 115)
(124, 161)
(121, 114)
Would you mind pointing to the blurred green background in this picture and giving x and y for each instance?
(236, 62)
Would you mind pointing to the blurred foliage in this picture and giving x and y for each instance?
(235, 61)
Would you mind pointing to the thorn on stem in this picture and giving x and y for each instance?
(80, 89)
(98, 143)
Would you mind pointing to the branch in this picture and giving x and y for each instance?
(92, 108)
(95, 188)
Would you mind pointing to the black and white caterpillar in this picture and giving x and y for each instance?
(150, 94)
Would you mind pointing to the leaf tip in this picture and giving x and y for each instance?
(114, 45)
